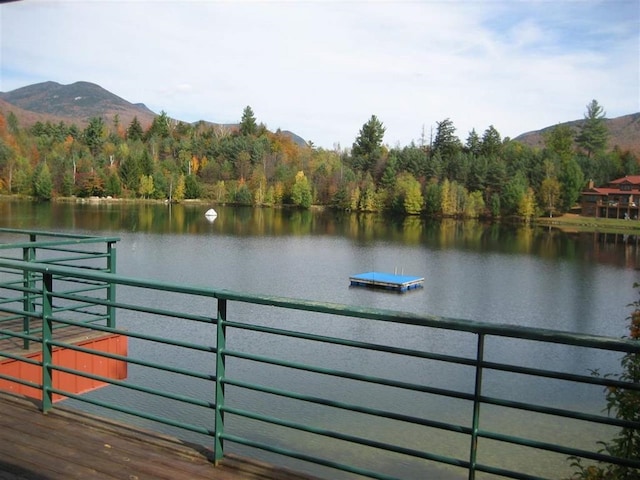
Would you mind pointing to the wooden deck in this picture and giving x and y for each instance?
(65, 444)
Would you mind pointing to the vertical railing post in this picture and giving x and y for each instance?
(111, 288)
(28, 255)
(476, 408)
(47, 347)
(221, 333)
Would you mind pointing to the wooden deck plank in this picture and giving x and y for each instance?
(65, 444)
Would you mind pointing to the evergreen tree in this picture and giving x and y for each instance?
(113, 187)
(248, 125)
(572, 181)
(367, 148)
(146, 163)
(559, 141)
(491, 142)
(473, 144)
(135, 132)
(94, 134)
(512, 194)
(446, 143)
(433, 199)
(160, 127)
(42, 183)
(390, 172)
(593, 134)
(192, 187)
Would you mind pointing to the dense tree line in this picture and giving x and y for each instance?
(486, 176)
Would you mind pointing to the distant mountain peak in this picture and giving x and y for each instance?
(624, 132)
(77, 102)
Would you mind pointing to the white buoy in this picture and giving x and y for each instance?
(211, 215)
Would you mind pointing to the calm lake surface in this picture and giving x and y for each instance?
(536, 277)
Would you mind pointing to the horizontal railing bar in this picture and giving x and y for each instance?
(508, 473)
(20, 335)
(351, 376)
(137, 388)
(553, 447)
(17, 281)
(307, 458)
(19, 358)
(353, 343)
(20, 381)
(135, 413)
(349, 407)
(141, 336)
(136, 361)
(93, 286)
(445, 323)
(78, 256)
(470, 326)
(51, 244)
(558, 412)
(572, 377)
(137, 308)
(57, 234)
(67, 247)
(410, 452)
(33, 290)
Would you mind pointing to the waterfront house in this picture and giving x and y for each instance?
(618, 199)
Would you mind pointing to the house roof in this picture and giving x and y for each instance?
(610, 191)
(613, 187)
(632, 179)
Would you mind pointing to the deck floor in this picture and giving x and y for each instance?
(66, 444)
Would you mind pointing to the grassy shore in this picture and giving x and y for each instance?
(578, 223)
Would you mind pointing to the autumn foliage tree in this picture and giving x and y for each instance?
(488, 176)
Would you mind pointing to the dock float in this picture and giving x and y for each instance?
(388, 281)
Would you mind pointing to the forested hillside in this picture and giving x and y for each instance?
(481, 175)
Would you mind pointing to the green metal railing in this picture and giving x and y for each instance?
(53, 248)
(221, 383)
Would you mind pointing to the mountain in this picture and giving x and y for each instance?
(80, 101)
(624, 132)
(76, 103)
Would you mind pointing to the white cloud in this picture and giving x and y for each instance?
(321, 69)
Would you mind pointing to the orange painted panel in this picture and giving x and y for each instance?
(85, 362)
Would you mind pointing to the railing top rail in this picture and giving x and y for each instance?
(52, 239)
(58, 243)
(41, 233)
(470, 326)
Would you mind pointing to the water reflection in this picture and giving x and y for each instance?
(621, 250)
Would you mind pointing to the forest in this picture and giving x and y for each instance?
(486, 176)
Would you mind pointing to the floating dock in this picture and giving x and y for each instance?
(388, 281)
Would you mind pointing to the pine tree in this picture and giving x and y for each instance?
(593, 134)
(42, 183)
(248, 125)
(367, 148)
(135, 132)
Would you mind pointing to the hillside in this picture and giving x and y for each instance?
(75, 103)
(624, 132)
(78, 102)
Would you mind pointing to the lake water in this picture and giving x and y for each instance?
(536, 277)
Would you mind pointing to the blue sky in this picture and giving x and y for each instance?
(322, 68)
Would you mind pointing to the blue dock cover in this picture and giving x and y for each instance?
(386, 280)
